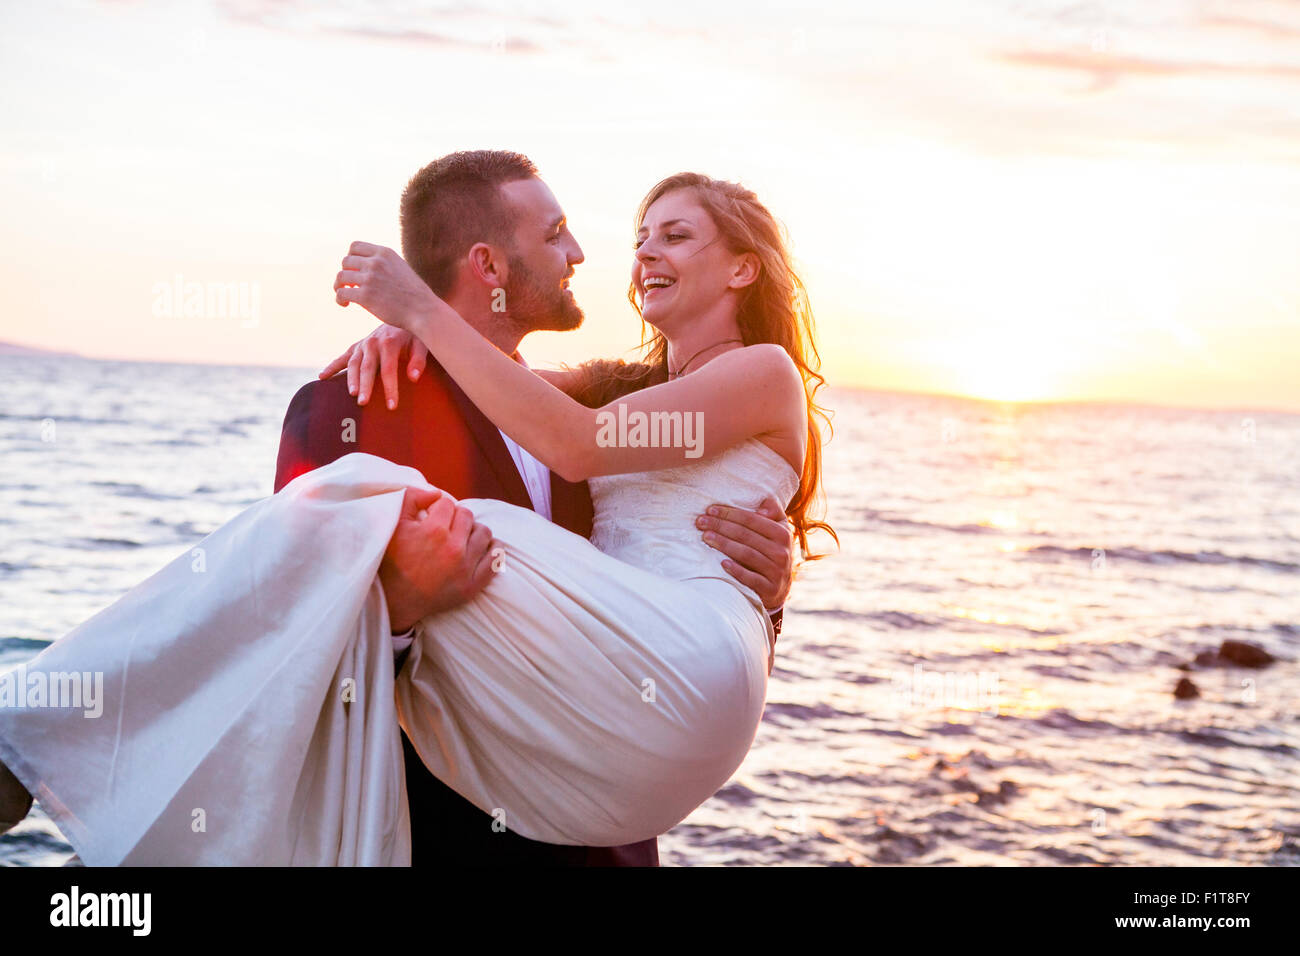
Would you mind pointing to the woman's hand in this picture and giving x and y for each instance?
(385, 347)
(380, 281)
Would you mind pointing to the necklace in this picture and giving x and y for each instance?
(682, 368)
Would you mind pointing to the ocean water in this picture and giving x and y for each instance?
(981, 674)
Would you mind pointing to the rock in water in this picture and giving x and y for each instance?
(1244, 654)
(1186, 690)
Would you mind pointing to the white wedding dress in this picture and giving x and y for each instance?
(594, 693)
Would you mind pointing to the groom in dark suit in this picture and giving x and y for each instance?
(486, 234)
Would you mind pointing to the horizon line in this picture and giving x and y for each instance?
(21, 350)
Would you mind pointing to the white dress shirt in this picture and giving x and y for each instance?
(537, 477)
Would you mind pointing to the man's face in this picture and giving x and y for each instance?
(537, 282)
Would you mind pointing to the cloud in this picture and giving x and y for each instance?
(1108, 68)
(1267, 27)
(500, 42)
(443, 25)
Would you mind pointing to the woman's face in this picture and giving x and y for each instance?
(682, 267)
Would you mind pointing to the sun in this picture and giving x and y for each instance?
(1010, 369)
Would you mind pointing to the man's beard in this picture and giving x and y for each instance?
(537, 307)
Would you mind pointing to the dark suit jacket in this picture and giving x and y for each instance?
(437, 430)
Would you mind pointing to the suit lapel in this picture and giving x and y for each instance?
(570, 501)
(490, 444)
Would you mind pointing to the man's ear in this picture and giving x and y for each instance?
(745, 272)
(488, 264)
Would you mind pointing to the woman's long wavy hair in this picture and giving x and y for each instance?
(774, 309)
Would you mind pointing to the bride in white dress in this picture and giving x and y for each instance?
(594, 693)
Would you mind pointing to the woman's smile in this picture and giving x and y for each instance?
(656, 284)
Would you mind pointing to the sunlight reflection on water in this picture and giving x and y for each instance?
(1077, 554)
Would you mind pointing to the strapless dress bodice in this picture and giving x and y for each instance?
(647, 518)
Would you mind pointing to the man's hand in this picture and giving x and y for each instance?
(385, 347)
(759, 544)
(438, 558)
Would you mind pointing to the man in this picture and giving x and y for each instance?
(487, 235)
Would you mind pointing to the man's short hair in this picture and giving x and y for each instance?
(453, 203)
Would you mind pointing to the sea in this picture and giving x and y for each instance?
(980, 673)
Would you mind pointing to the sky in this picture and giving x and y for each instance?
(1003, 199)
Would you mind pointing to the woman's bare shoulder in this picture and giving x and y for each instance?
(770, 364)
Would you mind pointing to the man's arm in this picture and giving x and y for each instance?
(439, 556)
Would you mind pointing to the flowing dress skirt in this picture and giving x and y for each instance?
(240, 706)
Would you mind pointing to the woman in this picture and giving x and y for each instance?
(595, 692)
